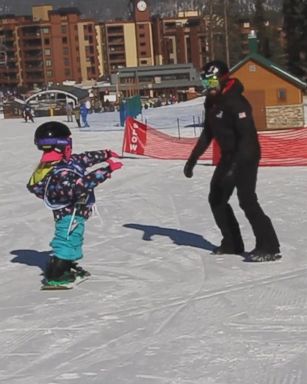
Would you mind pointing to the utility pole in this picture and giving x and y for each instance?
(211, 35)
(226, 31)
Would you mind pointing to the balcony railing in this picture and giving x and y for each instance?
(118, 49)
(27, 36)
(113, 41)
(34, 57)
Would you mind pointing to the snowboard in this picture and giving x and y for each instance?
(63, 287)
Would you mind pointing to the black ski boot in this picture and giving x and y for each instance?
(259, 256)
(79, 270)
(58, 271)
(222, 250)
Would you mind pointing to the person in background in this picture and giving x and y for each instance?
(67, 189)
(88, 105)
(229, 120)
(77, 115)
(84, 112)
(27, 113)
(69, 112)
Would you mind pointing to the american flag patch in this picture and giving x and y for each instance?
(242, 115)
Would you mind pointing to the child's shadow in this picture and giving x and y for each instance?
(31, 257)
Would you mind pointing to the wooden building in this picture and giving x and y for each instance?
(275, 94)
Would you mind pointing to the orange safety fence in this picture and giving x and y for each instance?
(278, 148)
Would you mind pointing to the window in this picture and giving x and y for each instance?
(46, 30)
(282, 94)
(64, 29)
(169, 77)
(47, 51)
(66, 61)
(64, 40)
(49, 74)
(67, 72)
(65, 51)
(146, 79)
(252, 68)
(46, 41)
(48, 63)
(170, 25)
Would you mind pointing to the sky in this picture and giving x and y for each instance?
(159, 308)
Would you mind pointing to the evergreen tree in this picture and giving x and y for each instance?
(261, 27)
(235, 38)
(295, 28)
(273, 34)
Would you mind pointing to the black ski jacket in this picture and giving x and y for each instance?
(228, 119)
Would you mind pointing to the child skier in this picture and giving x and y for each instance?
(27, 113)
(61, 181)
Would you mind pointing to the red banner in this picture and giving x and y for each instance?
(134, 137)
(141, 139)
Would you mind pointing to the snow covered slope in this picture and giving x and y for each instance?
(159, 308)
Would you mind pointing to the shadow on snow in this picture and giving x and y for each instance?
(178, 236)
(31, 257)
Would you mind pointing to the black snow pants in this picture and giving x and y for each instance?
(244, 179)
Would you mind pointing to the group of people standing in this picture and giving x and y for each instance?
(80, 111)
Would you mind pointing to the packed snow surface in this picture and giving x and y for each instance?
(159, 307)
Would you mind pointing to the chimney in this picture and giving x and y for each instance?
(252, 42)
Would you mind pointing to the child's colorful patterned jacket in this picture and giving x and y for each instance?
(65, 185)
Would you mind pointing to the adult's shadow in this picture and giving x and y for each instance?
(31, 257)
(178, 236)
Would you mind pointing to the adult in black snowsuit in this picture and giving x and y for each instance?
(229, 120)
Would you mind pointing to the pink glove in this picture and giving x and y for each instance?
(110, 153)
(114, 165)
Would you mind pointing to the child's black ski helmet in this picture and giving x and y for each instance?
(52, 135)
